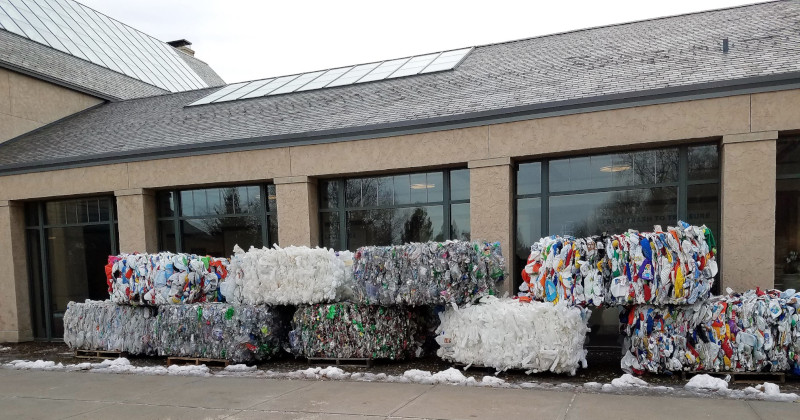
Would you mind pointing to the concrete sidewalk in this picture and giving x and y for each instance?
(83, 395)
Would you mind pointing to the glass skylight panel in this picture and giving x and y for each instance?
(220, 93)
(80, 31)
(353, 75)
(414, 65)
(296, 83)
(249, 87)
(269, 87)
(326, 78)
(386, 68)
(447, 60)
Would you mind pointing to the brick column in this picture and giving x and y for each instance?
(747, 250)
(298, 215)
(15, 316)
(491, 208)
(138, 227)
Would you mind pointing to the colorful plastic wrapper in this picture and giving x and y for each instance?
(676, 266)
(164, 278)
(104, 325)
(351, 330)
(240, 333)
(511, 334)
(751, 332)
(288, 276)
(427, 273)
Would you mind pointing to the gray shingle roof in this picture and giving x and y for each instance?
(672, 52)
(22, 54)
(202, 69)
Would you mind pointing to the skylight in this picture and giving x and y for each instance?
(342, 76)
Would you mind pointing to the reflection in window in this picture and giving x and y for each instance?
(395, 209)
(211, 221)
(787, 215)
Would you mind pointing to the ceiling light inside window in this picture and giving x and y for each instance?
(615, 168)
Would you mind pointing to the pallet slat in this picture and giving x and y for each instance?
(98, 354)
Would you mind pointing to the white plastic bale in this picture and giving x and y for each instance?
(164, 278)
(288, 276)
(509, 334)
(240, 333)
(350, 330)
(104, 325)
(749, 332)
(676, 266)
(428, 273)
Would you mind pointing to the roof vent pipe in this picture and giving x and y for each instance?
(725, 45)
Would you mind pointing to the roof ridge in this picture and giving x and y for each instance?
(611, 25)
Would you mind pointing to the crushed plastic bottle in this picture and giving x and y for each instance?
(750, 332)
(427, 273)
(672, 267)
(293, 275)
(104, 325)
(510, 334)
(351, 330)
(240, 333)
(164, 278)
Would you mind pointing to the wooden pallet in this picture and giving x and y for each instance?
(742, 377)
(197, 361)
(364, 362)
(98, 354)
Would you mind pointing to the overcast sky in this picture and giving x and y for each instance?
(250, 39)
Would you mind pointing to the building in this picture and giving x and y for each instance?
(603, 129)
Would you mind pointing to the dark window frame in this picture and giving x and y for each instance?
(266, 216)
(343, 209)
(39, 226)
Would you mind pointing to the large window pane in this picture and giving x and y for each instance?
(529, 230)
(166, 230)
(788, 155)
(329, 194)
(529, 178)
(703, 207)
(36, 283)
(703, 162)
(394, 226)
(787, 235)
(86, 210)
(615, 211)
(614, 170)
(330, 230)
(217, 235)
(459, 184)
(460, 222)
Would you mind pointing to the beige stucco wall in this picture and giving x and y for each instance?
(491, 186)
(491, 207)
(748, 211)
(15, 319)
(138, 228)
(27, 103)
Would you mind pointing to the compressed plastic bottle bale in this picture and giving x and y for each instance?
(427, 273)
(351, 330)
(751, 332)
(510, 334)
(240, 333)
(676, 266)
(104, 325)
(165, 278)
(289, 276)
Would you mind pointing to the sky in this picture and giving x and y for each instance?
(250, 39)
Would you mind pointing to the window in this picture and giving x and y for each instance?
(395, 209)
(211, 221)
(787, 218)
(68, 244)
(611, 193)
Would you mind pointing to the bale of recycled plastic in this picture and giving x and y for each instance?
(510, 334)
(164, 278)
(240, 333)
(293, 275)
(106, 326)
(751, 332)
(351, 330)
(428, 273)
(672, 267)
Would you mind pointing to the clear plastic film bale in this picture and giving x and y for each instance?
(165, 278)
(240, 333)
(106, 326)
(676, 266)
(751, 332)
(510, 334)
(293, 275)
(351, 330)
(428, 273)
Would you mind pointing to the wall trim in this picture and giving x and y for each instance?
(749, 137)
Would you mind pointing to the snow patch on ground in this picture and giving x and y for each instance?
(240, 368)
(5, 348)
(627, 380)
(708, 383)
